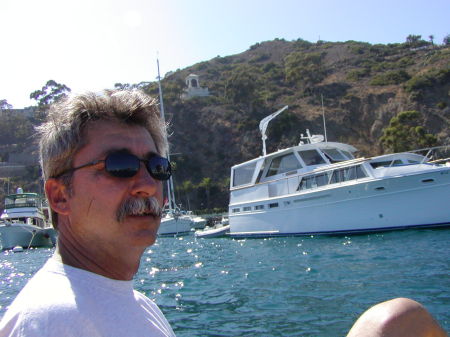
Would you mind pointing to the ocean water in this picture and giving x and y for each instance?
(296, 286)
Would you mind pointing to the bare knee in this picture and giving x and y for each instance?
(397, 317)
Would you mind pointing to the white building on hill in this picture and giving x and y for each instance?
(193, 88)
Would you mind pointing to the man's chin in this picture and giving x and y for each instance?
(142, 229)
(144, 238)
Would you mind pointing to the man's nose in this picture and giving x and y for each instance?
(144, 184)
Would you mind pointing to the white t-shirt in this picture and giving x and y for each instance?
(63, 301)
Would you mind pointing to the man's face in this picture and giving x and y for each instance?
(96, 195)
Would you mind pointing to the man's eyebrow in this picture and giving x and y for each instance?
(126, 150)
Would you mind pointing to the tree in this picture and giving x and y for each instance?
(446, 40)
(50, 93)
(405, 132)
(413, 39)
(15, 129)
(4, 105)
(431, 37)
(206, 184)
(187, 187)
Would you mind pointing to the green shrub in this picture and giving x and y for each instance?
(405, 133)
(300, 43)
(390, 77)
(357, 74)
(427, 80)
(305, 68)
(441, 105)
(259, 58)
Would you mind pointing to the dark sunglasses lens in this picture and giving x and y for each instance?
(159, 168)
(122, 165)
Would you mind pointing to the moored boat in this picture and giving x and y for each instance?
(214, 232)
(197, 222)
(173, 223)
(23, 222)
(319, 187)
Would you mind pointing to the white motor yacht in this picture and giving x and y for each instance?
(319, 187)
(23, 222)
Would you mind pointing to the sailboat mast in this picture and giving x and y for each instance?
(170, 194)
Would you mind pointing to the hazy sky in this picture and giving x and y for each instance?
(92, 44)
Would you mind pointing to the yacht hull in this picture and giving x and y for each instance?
(417, 200)
(25, 235)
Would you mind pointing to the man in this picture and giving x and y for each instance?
(102, 165)
(101, 158)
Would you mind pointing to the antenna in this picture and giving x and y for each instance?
(323, 117)
(265, 122)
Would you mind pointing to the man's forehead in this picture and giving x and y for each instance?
(117, 131)
(103, 137)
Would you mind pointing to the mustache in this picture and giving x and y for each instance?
(139, 206)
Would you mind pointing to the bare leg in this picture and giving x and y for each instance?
(400, 317)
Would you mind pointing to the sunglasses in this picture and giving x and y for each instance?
(122, 164)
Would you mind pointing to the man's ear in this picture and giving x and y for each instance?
(57, 195)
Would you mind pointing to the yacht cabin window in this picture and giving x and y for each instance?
(334, 155)
(283, 164)
(387, 163)
(332, 177)
(242, 175)
(311, 157)
(348, 154)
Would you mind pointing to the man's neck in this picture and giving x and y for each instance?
(98, 262)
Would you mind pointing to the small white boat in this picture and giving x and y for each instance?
(23, 222)
(198, 222)
(214, 232)
(319, 187)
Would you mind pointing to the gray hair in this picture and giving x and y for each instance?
(63, 133)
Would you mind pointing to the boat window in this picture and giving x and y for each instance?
(311, 157)
(283, 164)
(243, 174)
(334, 155)
(413, 161)
(236, 210)
(261, 170)
(348, 154)
(348, 173)
(314, 181)
(259, 207)
(387, 163)
(275, 204)
(332, 177)
(247, 209)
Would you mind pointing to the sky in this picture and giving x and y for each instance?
(93, 44)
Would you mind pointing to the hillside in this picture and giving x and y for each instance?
(363, 86)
